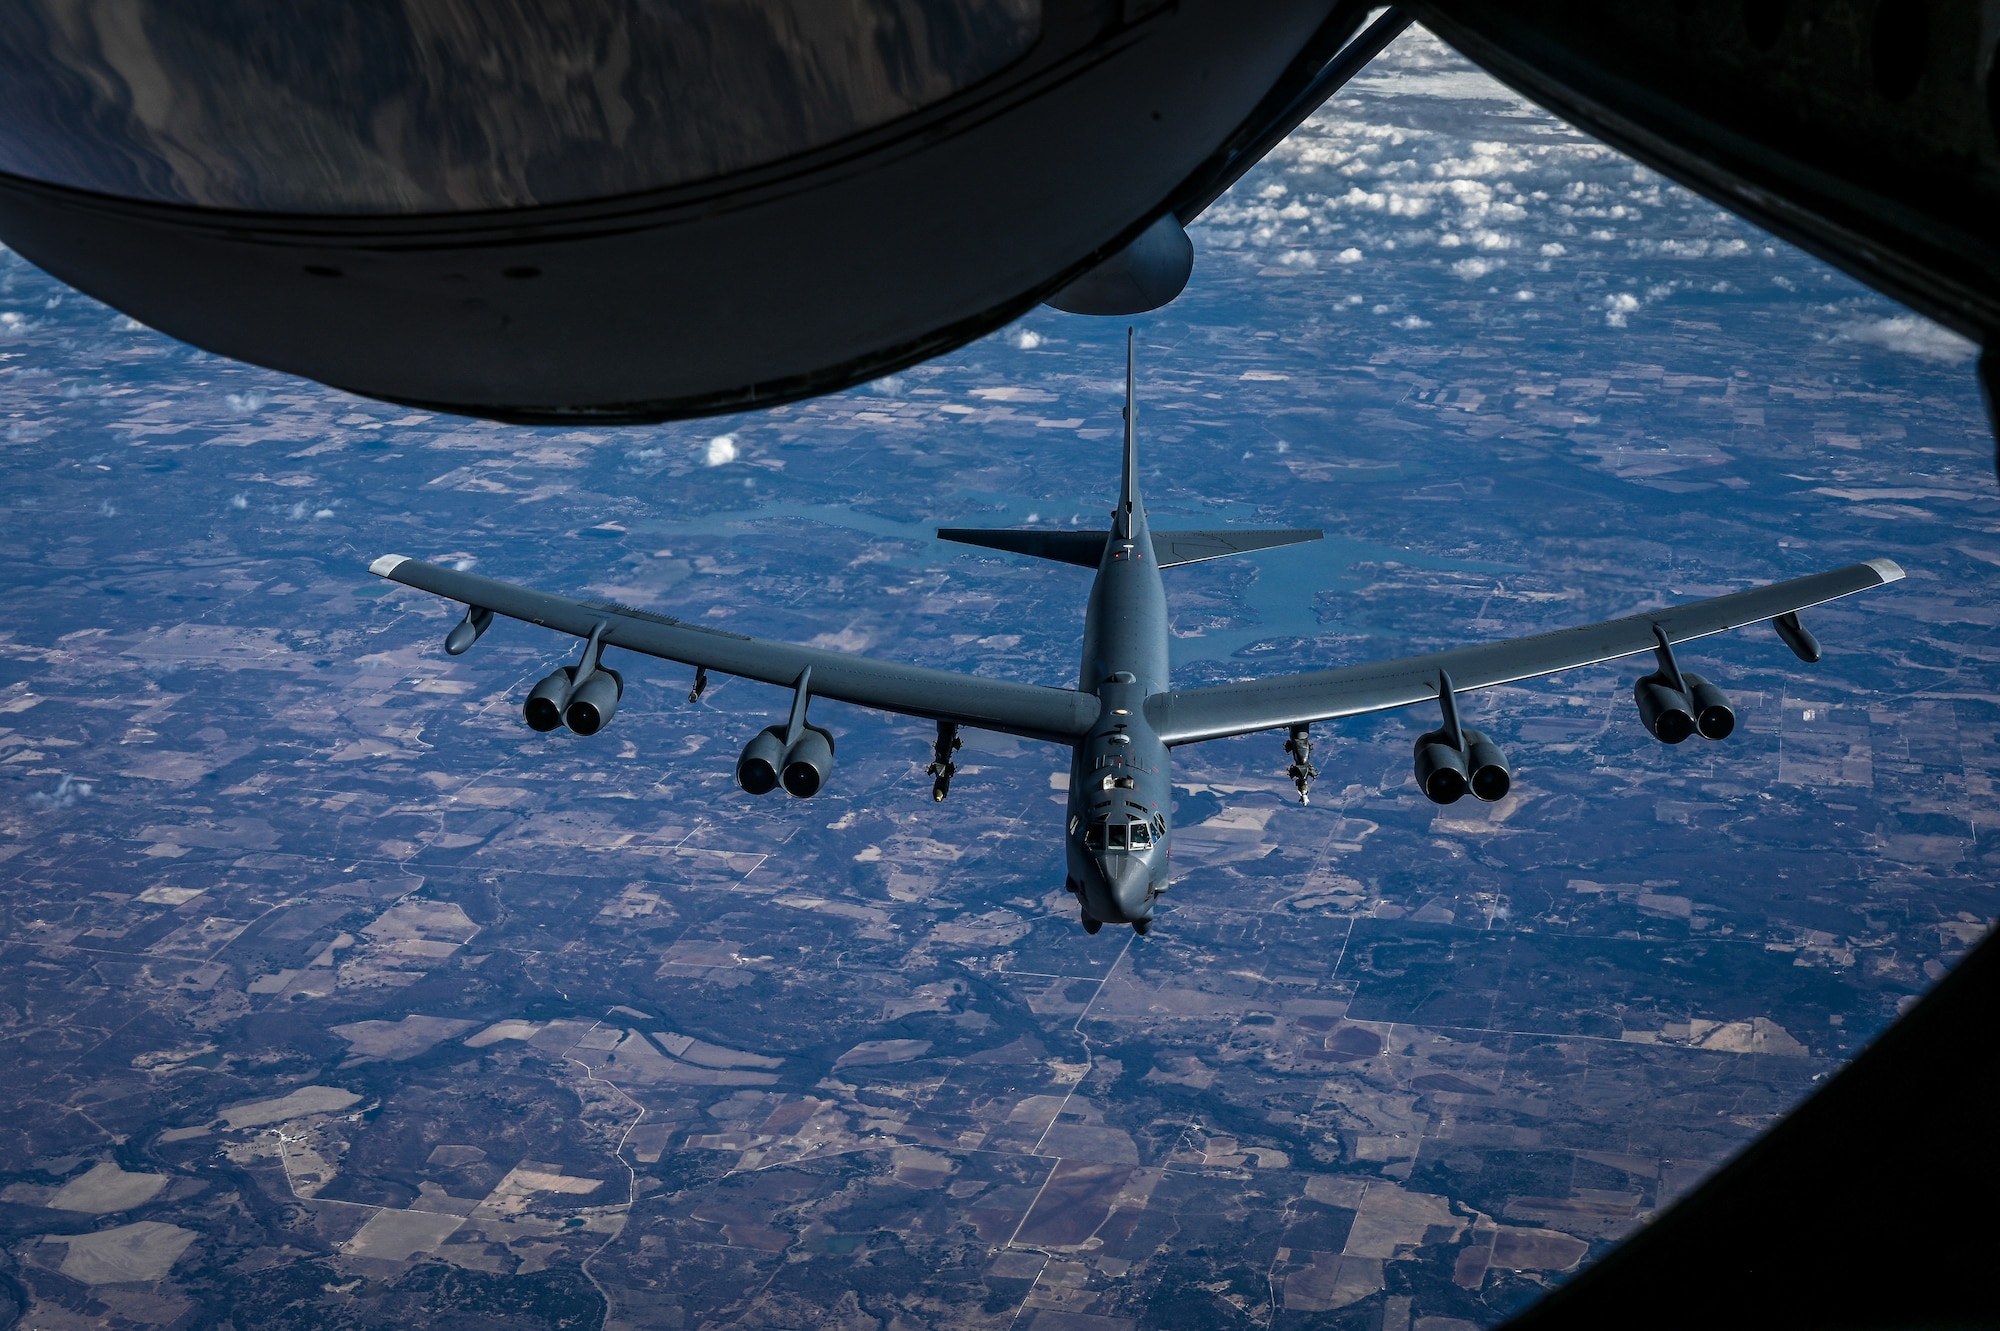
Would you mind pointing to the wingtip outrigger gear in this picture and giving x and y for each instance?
(1797, 637)
(1299, 745)
(942, 767)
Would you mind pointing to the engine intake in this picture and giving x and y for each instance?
(544, 707)
(1665, 711)
(1491, 779)
(757, 768)
(808, 762)
(1713, 716)
(593, 703)
(1441, 773)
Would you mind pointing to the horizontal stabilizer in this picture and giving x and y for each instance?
(1191, 547)
(1067, 547)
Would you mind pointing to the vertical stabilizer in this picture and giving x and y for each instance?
(1128, 488)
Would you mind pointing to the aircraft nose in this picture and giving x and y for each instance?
(1130, 879)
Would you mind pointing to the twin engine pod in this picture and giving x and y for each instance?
(802, 769)
(1672, 714)
(1445, 772)
(586, 708)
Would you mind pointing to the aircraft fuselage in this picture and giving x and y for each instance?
(1120, 788)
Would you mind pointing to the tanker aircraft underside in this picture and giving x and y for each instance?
(1123, 718)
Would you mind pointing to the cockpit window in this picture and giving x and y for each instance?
(1093, 837)
(1142, 838)
(1115, 836)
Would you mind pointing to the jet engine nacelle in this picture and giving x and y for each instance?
(546, 701)
(592, 704)
(802, 769)
(1672, 715)
(1490, 777)
(757, 769)
(1446, 775)
(1441, 773)
(1713, 716)
(1664, 710)
(809, 762)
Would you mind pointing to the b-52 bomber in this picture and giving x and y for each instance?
(1123, 719)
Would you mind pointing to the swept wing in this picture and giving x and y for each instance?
(1188, 715)
(1033, 711)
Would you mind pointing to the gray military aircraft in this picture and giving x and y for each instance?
(1124, 717)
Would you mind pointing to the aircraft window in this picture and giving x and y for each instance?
(1123, 782)
(1142, 839)
(1115, 834)
(1159, 825)
(1093, 837)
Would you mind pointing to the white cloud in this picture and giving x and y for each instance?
(245, 404)
(1026, 339)
(1552, 250)
(1412, 321)
(239, 501)
(1617, 307)
(13, 321)
(1913, 335)
(721, 450)
(322, 514)
(67, 792)
(1349, 255)
(1473, 269)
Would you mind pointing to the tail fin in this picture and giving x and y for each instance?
(1128, 489)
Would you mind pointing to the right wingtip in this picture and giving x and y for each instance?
(387, 565)
(1887, 569)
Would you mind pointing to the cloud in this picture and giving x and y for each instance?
(13, 321)
(239, 501)
(1349, 255)
(322, 514)
(1617, 307)
(1913, 335)
(721, 450)
(1473, 269)
(67, 792)
(245, 404)
(1553, 250)
(1413, 322)
(1026, 339)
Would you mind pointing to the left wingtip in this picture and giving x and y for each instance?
(387, 565)
(1887, 569)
